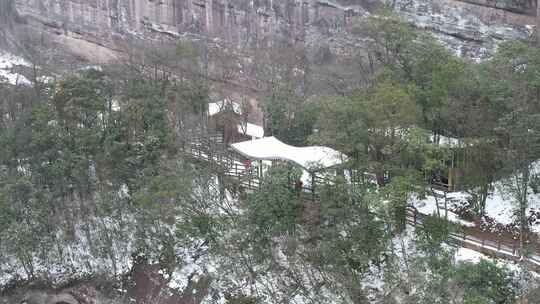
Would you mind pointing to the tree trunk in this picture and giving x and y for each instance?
(522, 192)
(380, 178)
(484, 191)
(538, 21)
(445, 206)
(436, 201)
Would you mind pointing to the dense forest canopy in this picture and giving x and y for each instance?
(94, 177)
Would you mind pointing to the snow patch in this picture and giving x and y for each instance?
(250, 129)
(428, 206)
(469, 255)
(7, 63)
(500, 204)
(217, 107)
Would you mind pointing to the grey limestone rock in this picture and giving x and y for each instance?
(470, 28)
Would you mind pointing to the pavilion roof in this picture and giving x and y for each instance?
(311, 158)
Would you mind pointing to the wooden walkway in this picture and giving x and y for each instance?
(231, 165)
(226, 162)
(467, 238)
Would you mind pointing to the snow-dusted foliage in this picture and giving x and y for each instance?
(501, 205)
(87, 247)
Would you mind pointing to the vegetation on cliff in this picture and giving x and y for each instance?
(96, 177)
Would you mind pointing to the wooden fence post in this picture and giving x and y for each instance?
(313, 184)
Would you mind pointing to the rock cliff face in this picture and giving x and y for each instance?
(471, 28)
(243, 24)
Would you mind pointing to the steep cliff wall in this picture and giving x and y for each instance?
(240, 23)
(6, 11)
(8, 15)
(471, 28)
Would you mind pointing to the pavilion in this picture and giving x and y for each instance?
(228, 119)
(312, 159)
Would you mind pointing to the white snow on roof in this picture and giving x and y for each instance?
(270, 148)
(7, 62)
(251, 130)
(216, 107)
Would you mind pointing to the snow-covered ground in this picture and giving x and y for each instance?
(469, 255)
(7, 62)
(428, 206)
(501, 207)
(500, 204)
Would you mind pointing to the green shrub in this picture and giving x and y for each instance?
(485, 282)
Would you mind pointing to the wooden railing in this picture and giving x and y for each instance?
(214, 152)
(498, 248)
(211, 150)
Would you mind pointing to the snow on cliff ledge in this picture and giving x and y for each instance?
(7, 63)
